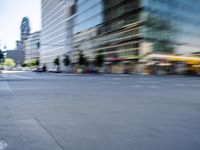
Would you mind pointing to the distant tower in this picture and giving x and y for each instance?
(25, 29)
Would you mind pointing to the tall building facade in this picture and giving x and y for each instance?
(126, 30)
(32, 46)
(54, 36)
(172, 25)
(17, 55)
(110, 28)
(19, 45)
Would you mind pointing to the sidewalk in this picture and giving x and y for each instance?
(97, 74)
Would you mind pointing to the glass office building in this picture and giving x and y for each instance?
(110, 28)
(172, 25)
(122, 30)
(126, 30)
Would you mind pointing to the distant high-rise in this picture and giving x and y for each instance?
(19, 45)
(25, 29)
(31, 47)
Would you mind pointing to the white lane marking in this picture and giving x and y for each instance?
(11, 72)
(123, 75)
(136, 86)
(153, 87)
(116, 79)
(187, 85)
(115, 83)
(22, 77)
(140, 86)
(182, 85)
(149, 82)
(111, 83)
(145, 78)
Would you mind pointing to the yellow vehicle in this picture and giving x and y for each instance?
(173, 63)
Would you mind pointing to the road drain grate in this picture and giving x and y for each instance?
(3, 145)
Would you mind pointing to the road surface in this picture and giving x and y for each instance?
(42, 111)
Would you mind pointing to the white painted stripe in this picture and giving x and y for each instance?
(153, 87)
(22, 77)
(187, 85)
(136, 86)
(115, 83)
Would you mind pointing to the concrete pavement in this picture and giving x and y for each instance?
(59, 112)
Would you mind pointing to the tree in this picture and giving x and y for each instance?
(1, 56)
(31, 63)
(9, 62)
(37, 62)
(99, 60)
(57, 63)
(66, 60)
(82, 60)
(24, 64)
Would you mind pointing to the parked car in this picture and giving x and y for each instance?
(39, 69)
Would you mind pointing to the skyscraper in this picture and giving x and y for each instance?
(25, 29)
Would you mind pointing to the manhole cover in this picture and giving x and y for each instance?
(3, 145)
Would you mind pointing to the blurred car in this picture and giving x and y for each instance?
(54, 70)
(38, 69)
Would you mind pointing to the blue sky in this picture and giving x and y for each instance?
(11, 14)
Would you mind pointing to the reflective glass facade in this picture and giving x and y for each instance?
(101, 27)
(122, 30)
(172, 25)
(166, 26)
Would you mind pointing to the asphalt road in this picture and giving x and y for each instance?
(41, 111)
